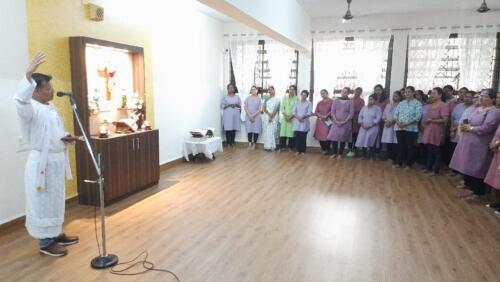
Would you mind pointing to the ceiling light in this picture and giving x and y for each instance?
(348, 16)
(484, 8)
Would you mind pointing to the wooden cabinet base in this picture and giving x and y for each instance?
(131, 164)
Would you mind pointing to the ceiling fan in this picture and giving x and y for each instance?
(484, 7)
(348, 16)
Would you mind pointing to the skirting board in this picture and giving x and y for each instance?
(171, 164)
(240, 144)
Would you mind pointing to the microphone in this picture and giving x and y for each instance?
(70, 95)
(62, 94)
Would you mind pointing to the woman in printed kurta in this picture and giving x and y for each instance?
(231, 114)
(472, 156)
(359, 103)
(323, 122)
(388, 134)
(301, 113)
(369, 119)
(286, 118)
(253, 124)
(271, 111)
(407, 115)
(341, 129)
(434, 122)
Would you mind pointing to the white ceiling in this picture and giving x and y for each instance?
(337, 8)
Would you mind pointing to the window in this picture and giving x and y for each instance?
(349, 62)
(261, 62)
(461, 60)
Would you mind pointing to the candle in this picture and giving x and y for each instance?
(103, 129)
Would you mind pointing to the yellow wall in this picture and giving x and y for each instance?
(51, 23)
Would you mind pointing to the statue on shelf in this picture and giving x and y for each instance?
(124, 99)
(108, 76)
(94, 104)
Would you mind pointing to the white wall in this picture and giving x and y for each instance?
(13, 60)
(187, 75)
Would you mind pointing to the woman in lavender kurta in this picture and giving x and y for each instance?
(253, 124)
(341, 129)
(323, 122)
(369, 119)
(456, 115)
(388, 133)
(472, 156)
(231, 112)
(382, 102)
(301, 113)
(434, 122)
(359, 103)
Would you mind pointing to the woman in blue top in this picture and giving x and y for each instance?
(407, 115)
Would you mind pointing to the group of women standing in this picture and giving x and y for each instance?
(292, 114)
(455, 128)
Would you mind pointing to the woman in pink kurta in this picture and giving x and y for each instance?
(341, 129)
(434, 122)
(323, 121)
(472, 156)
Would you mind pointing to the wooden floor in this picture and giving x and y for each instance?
(259, 216)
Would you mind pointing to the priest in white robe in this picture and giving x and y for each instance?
(47, 166)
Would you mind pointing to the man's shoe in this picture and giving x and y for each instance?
(54, 249)
(64, 240)
(494, 206)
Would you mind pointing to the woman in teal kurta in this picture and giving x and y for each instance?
(286, 118)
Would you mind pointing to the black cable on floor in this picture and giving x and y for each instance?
(147, 265)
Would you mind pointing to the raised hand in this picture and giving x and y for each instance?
(35, 62)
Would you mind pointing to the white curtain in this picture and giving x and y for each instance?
(280, 58)
(477, 55)
(243, 55)
(425, 53)
(359, 63)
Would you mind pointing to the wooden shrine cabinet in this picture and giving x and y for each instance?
(130, 160)
(130, 165)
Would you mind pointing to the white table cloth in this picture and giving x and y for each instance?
(204, 145)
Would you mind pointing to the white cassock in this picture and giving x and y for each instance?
(47, 165)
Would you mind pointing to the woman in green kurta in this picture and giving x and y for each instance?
(286, 109)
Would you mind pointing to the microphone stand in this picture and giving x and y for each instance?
(104, 260)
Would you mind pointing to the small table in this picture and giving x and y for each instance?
(204, 147)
